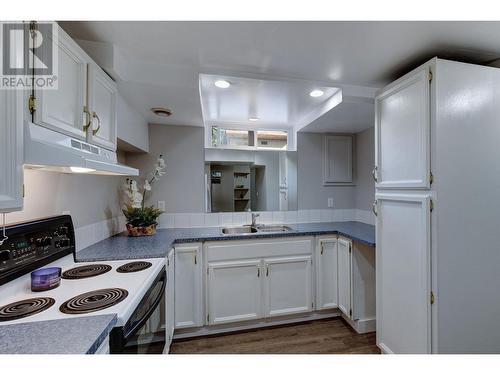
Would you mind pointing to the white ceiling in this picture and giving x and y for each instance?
(276, 104)
(164, 59)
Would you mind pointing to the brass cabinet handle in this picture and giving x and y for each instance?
(374, 207)
(89, 119)
(374, 174)
(94, 115)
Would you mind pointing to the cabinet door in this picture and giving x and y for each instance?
(402, 133)
(234, 291)
(62, 109)
(11, 150)
(170, 298)
(326, 273)
(344, 276)
(188, 284)
(287, 285)
(337, 159)
(102, 104)
(403, 273)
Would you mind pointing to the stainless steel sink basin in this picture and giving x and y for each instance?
(239, 230)
(274, 228)
(248, 229)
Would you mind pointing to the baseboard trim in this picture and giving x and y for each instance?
(361, 325)
(185, 333)
(384, 349)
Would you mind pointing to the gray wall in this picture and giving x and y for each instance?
(89, 198)
(311, 192)
(365, 159)
(183, 186)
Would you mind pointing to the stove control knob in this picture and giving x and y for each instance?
(47, 241)
(5, 255)
(65, 242)
(62, 231)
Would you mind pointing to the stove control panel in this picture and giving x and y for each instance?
(33, 244)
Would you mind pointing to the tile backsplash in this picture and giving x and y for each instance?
(183, 220)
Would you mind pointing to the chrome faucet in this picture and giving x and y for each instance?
(254, 219)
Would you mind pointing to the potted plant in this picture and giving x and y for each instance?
(142, 220)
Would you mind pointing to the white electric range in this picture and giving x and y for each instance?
(131, 289)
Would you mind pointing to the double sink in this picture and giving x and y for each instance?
(250, 229)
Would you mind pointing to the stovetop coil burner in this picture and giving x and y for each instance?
(24, 308)
(88, 270)
(93, 301)
(134, 267)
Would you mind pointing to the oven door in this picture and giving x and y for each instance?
(144, 332)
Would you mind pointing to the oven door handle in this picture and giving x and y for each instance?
(146, 316)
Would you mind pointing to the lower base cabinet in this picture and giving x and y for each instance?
(278, 281)
(344, 272)
(287, 285)
(234, 291)
(188, 286)
(250, 280)
(170, 300)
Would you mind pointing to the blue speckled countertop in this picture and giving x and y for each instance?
(81, 335)
(123, 247)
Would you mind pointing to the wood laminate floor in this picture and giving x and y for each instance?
(327, 336)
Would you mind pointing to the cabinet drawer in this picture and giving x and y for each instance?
(244, 249)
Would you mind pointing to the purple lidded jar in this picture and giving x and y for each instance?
(45, 279)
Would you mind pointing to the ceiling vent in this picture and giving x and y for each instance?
(163, 112)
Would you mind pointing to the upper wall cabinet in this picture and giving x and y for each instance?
(102, 95)
(84, 104)
(11, 150)
(402, 128)
(62, 109)
(337, 160)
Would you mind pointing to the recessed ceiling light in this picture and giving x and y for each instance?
(222, 84)
(316, 93)
(163, 112)
(253, 119)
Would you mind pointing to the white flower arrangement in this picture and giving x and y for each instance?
(135, 210)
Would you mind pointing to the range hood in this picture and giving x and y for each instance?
(46, 149)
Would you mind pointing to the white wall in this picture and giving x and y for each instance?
(89, 198)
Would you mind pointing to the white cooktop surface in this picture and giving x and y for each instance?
(136, 283)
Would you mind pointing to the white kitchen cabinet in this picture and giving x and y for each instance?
(402, 133)
(188, 286)
(170, 299)
(102, 97)
(288, 285)
(403, 273)
(326, 273)
(234, 291)
(344, 248)
(63, 109)
(11, 148)
(337, 159)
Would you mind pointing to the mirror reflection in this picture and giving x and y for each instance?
(239, 181)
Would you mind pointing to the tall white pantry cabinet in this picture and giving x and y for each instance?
(437, 172)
